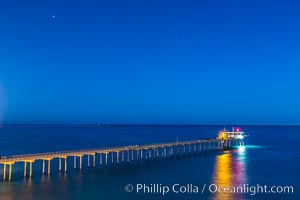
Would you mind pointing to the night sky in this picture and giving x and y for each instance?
(156, 61)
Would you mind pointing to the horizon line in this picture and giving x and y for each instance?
(147, 124)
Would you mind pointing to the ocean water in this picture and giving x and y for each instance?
(271, 157)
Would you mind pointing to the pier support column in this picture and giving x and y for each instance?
(49, 168)
(117, 157)
(141, 154)
(80, 162)
(30, 169)
(74, 162)
(59, 163)
(150, 154)
(132, 155)
(112, 157)
(100, 157)
(106, 159)
(65, 164)
(43, 168)
(4, 171)
(25, 165)
(94, 160)
(10, 171)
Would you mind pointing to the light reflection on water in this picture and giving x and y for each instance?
(230, 169)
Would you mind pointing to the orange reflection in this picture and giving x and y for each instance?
(222, 176)
(230, 171)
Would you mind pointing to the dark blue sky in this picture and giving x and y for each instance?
(156, 61)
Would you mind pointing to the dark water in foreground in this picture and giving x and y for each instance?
(270, 158)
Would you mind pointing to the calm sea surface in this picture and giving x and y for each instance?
(271, 157)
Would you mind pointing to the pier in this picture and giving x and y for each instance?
(116, 155)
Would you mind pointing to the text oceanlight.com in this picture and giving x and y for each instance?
(189, 188)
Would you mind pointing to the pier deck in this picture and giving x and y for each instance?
(132, 152)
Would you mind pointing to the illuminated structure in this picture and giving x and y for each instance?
(237, 134)
(115, 155)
